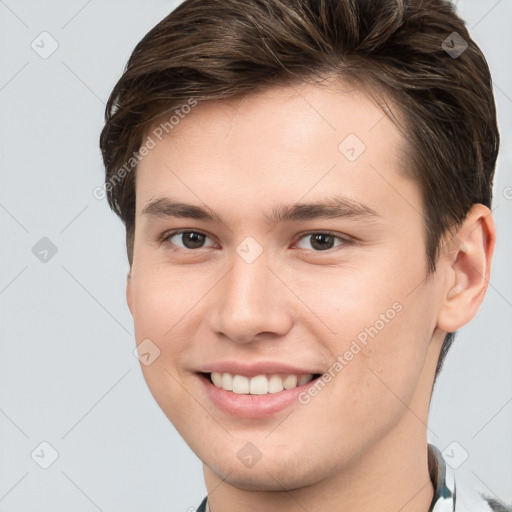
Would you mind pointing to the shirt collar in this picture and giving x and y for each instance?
(442, 479)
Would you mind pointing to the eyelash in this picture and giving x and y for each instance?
(165, 239)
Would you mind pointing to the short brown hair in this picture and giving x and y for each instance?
(410, 51)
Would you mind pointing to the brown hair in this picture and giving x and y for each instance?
(410, 51)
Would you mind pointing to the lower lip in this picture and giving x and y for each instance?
(252, 406)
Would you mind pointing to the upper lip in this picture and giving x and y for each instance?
(253, 369)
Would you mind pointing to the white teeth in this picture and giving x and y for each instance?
(217, 379)
(227, 381)
(275, 384)
(303, 380)
(259, 385)
(290, 382)
(240, 384)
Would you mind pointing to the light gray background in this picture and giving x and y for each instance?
(68, 375)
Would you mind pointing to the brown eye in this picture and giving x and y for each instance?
(322, 241)
(189, 239)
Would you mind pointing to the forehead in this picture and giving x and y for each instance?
(272, 114)
(281, 142)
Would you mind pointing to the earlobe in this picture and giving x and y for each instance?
(471, 251)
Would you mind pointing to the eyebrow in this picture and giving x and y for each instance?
(331, 208)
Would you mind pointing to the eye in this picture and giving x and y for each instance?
(189, 239)
(323, 241)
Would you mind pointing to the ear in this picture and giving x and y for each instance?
(469, 256)
(129, 290)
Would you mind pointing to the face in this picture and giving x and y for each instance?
(300, 285)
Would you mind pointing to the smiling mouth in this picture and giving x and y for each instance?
(259, 384)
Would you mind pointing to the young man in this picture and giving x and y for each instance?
(305, 187)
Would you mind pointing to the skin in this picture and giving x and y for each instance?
(361, 443)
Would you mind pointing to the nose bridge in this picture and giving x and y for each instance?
(250, 300)
(248, 287)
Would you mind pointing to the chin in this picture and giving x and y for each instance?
(267, 476)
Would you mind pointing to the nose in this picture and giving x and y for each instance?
(251, 302)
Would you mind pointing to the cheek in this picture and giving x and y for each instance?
(159, 309)
(356, 305)
(382, 334)
(163, 302)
